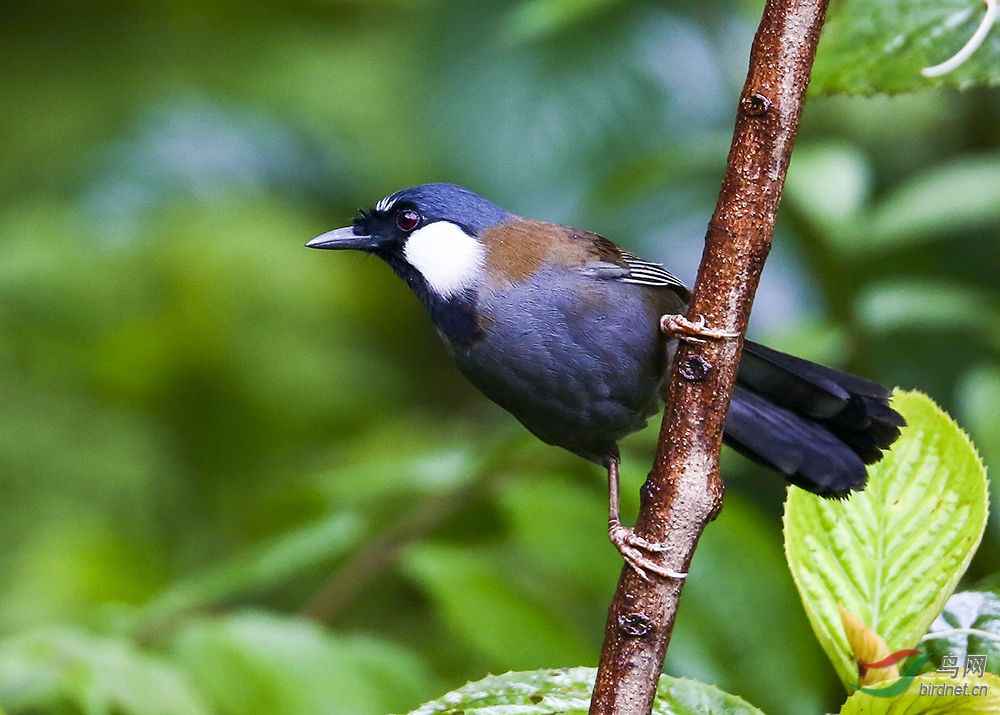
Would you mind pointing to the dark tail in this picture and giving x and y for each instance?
(818, 426)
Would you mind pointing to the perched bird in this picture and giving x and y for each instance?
(562, 328)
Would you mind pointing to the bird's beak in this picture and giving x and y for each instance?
(344, 239)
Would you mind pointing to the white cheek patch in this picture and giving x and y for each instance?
(449, 259)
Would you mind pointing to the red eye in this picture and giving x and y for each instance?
(408, 220)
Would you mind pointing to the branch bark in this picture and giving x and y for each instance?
(684, 491)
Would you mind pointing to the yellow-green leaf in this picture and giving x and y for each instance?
(892, 554)
(932, 694)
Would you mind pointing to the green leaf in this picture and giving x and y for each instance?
(45, 669)
(831, 184)
(892, 554)
(919, 698)
(269, 565)
(567, 691)
(921, 305)
(871, 47)
(964, 194)
(978, 397)
(969, 625)
(560, 523)
(411, 458)
(484, 608)
(537, 19)
(679, 696)
(255, 662)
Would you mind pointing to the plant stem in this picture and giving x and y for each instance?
(684, 491)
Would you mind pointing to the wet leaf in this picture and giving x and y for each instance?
(567, 692)
(870, 47)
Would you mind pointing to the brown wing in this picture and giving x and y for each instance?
(519, 247)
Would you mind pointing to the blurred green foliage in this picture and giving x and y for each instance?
(238, 476)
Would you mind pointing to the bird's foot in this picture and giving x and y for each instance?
(630, 545)
(692, 331)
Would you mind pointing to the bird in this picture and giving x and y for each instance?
(573, 335)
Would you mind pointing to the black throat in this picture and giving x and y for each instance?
(454, 317)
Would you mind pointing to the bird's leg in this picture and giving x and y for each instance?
(692, 331)
(629, 544)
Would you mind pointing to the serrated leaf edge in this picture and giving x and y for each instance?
(834, 641)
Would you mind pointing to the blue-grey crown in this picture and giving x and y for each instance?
(450, 202)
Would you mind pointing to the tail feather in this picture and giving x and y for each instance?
(816, 425)
(804, 451)
(755, 354)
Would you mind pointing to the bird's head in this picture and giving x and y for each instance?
(429, 234)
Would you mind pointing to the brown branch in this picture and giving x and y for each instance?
(684, 491)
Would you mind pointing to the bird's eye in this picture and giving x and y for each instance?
(407, 220)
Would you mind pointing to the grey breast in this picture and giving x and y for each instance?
(577, 360)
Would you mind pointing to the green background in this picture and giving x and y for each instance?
(212, 439)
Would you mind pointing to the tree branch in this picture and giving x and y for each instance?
(684, 491)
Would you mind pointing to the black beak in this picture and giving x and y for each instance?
(344, 239)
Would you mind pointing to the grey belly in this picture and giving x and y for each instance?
(581, 384)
